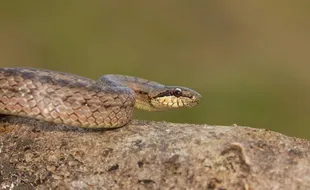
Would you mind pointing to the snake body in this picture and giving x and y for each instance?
(68, 99)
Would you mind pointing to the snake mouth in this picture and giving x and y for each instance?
(172, 102)
(196, 98)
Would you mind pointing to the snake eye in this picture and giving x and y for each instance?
(177, 92)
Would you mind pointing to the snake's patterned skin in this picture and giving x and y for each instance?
(66, 99)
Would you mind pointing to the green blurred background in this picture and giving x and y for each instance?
(249, 59)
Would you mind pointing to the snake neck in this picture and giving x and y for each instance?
(141, 87)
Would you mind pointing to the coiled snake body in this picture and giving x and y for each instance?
(77, 101)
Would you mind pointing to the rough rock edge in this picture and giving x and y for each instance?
(149, 155)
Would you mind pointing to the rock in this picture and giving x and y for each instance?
(149, 155)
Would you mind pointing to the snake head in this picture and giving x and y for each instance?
(171, 97)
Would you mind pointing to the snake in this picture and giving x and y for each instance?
(73, 100)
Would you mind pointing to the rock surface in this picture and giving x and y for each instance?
(149, 155)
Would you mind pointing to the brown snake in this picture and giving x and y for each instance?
(72, 100)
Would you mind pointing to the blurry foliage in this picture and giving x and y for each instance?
(249, 59)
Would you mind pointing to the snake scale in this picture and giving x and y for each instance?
(68, 99)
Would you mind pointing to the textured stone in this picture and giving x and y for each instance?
(150, 155)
